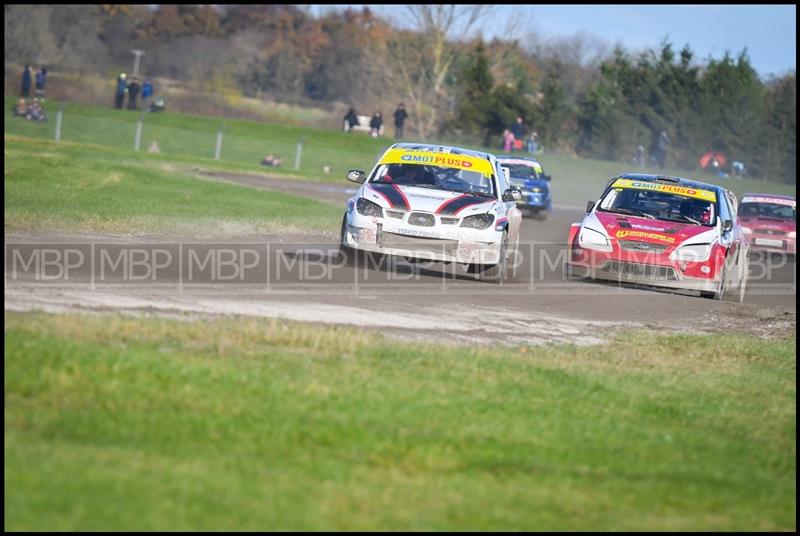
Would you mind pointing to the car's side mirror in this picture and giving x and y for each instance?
(546, 177)
(727, 225)
(512, 194)
(356, 175)
(589, 206)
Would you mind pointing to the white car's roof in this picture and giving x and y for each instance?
(442, 149)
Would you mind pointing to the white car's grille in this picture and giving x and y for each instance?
(400, 241)
(422, 219)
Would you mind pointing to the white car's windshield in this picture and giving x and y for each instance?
(659, 206)
(437, 178)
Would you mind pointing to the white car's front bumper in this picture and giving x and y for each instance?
(446, 243)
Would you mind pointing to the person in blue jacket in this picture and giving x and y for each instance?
(41, 80)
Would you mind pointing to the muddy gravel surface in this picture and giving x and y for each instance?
(302, 277)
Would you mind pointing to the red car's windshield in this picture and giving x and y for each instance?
(659, 205)
(768, 210)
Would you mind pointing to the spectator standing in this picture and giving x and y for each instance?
(350, 119)
(533, 142)
(41, 79)
(399, 120)
(661, 148)
(26, 81)
(133, 92)
(375, 125)
(639, 158)
(518, 129)
(147, 92)
(508, 140)
(122, 89)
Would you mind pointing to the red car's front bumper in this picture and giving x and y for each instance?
(646, 268)
(772, 242)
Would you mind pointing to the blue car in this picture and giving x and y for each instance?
(528, 175)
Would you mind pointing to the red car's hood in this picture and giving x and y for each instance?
(768, 223)
(621, 226)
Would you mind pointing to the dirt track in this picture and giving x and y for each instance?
(299, 278)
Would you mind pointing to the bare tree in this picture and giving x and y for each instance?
(578, 57)
(419, 61)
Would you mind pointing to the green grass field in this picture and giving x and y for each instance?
(70, 187)
(193, 138)
(252, 424)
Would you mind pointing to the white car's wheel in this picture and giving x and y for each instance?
(498, 273)
(744, 273)
(347, 255)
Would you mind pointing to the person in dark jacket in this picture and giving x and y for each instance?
(26, 81)
(518, 129)
(350, 119)
(375, 125)
(41, 79)
(133, 92)
(122, 89)
(399, 120)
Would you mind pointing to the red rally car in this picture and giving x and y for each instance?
(770, 221)
(662, 231)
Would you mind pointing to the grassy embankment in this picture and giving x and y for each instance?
(151, 424)
(78, 187)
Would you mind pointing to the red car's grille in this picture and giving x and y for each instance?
(645, 271)
(645, 247)
(775, 232)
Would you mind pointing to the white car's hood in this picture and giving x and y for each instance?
(393, 196)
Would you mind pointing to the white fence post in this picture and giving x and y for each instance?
(298, 153)
(137, 142)
(218, 150)
(58, 123)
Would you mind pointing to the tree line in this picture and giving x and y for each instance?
(581, 97)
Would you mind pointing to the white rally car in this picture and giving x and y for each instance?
(436, 203)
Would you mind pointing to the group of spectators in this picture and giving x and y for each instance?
(32, 109)
(514, 138)
(132, 90)
(28, 79)
(376, 122)
(659, 153)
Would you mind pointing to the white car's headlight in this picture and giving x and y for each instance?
(692, 253)
(791, 234)
(591, 239)
(478, 221)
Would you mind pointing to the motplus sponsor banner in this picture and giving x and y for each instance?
(706, 195)
(765, 199)
(458, 161)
